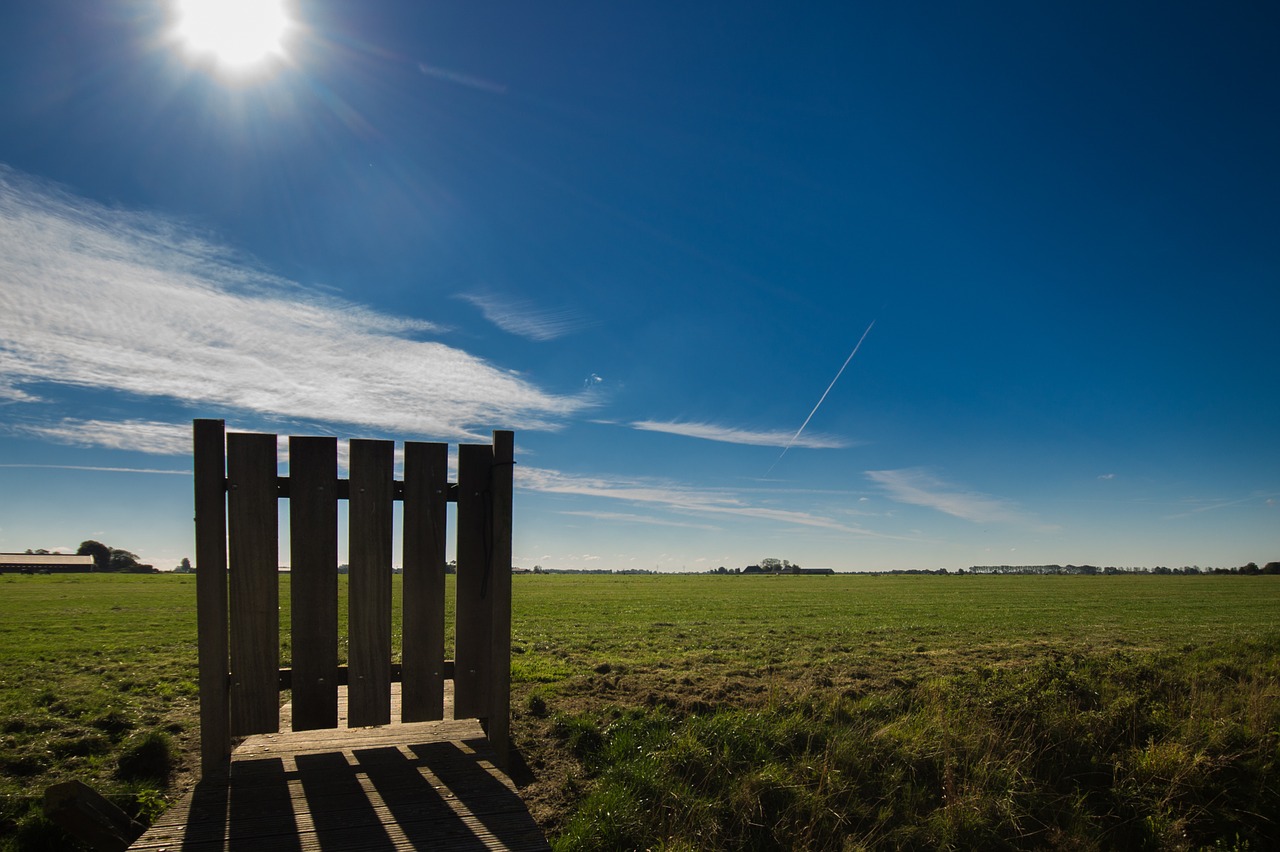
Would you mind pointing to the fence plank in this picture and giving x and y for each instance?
(426, 482)
(313, 547)
(255, 585)
(474, 611)
(501, 480)
(369, 607)
(209, 454)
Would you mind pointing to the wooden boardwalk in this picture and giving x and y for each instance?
(421, 785)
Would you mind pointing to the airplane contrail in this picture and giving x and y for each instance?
(821, 398)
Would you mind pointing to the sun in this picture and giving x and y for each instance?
(240, 36)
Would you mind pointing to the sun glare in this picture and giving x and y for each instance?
(239, 35)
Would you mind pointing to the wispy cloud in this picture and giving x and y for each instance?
(144, 436)
(525, 319)
(462, 79)
(10, 392)
(918, 487)
(1202, 506)
(94, 297)
(632, 518)
(732, 435)
(100, 469)
(675, 497)
(165, 439)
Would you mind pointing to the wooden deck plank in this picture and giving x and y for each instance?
(418, 785)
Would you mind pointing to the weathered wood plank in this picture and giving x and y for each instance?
(255, 587)
(501, 481)
(369, 587)
(210, 467)
(307, 742)
(313, 545)
(474, 606)
(426, 481)
(403, 786)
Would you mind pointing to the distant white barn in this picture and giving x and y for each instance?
(45, 563)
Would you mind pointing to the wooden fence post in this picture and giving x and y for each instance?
(369, 585)
(426, 484)
(474, 610)
(502, 475)
(313, 586)
(209, 457)
(254, 551)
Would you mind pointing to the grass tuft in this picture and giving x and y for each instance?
(149, 757)
(1100, 751)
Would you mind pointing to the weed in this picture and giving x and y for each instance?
(536, 704)
(148, 803)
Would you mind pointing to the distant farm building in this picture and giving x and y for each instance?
(45, 563)
(787, 569)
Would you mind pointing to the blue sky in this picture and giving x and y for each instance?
(646, 237)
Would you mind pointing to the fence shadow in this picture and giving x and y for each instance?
(432, 795)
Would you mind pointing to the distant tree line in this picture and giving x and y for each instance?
(538, 569)
(107, 559)
(771, 565)
(1251, 568)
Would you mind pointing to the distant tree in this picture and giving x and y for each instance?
(1271, 568)
(184, 567)
(39, 551)
(451, 567)
(1251, 568)
(100, 552)
(126, 562)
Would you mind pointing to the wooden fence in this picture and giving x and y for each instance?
(237, 490)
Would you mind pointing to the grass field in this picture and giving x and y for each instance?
(693, 712)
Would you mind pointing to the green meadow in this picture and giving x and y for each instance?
(738, 712)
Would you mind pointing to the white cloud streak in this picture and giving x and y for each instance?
(97, 469)
(918, 487)
(461, 79)
(673, 497)
(1215, 505)
(632, 518)
(731, 435)
(144, 436)
(523, 318)
(93, 297)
